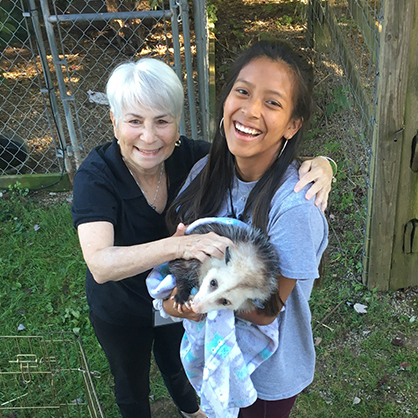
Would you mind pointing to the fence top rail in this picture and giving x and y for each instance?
(154, 14)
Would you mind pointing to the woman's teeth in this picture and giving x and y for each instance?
(148, 151)
(246, 130)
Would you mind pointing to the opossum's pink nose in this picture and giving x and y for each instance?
(198, 307)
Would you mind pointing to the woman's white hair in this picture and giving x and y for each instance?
(149, 83)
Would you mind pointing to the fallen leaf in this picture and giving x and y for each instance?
(404, 365)
(359, 308)
(318, 341)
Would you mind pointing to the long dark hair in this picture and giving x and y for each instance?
(205, 194)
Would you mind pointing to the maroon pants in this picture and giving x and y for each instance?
(268, 409)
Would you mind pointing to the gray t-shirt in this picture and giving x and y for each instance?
(299, 231)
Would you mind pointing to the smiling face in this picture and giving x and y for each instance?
(146, 138)
(258, 115)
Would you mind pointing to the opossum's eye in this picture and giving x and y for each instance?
(213, 283)
(224, 302)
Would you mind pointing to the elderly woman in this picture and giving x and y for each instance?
(121, 193)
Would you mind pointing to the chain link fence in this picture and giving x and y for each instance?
(57, 58)
(28, 138)
(346, 34)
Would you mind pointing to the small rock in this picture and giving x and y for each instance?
(359, 308)
(397, 342)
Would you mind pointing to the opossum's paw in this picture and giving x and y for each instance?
(182, 301)
(183, 307)
(182, 295)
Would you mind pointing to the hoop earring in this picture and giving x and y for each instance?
(177, 143)
(283, 148)
(221, 128)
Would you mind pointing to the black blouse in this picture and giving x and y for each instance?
(104, 190)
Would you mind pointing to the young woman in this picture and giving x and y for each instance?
(250, 174)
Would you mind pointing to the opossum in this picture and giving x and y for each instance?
(244, 280)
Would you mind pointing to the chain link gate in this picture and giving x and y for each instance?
(29, 141)
(73, 46)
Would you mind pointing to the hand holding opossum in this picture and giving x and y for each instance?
(201, 246)
(245, 279)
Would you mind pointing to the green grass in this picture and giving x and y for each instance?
(42, 275)
(359, 356)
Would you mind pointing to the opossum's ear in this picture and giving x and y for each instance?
(227, 255)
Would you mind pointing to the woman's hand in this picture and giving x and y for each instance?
(200, 246)
(284, 288)
(108, 262)
(318, 171)
(181, 310)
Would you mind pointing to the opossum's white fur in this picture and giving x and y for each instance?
(247, 273)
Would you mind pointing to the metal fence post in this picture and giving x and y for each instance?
(202, 55)
(177, 59)
(50, 87)
(184, 12)
(61, 83)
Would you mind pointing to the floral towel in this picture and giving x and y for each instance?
(219, 355)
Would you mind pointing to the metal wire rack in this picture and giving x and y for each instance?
(46, 376)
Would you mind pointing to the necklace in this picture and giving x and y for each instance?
(242, 197)
(158, 185)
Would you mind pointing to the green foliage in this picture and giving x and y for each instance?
(6, 27)
(11, 28)
(42, 273)
(357, 356)
(153, 4)
(269, 7)
(340, 102)
(237, 30)
(284, 20)
(212, 10)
